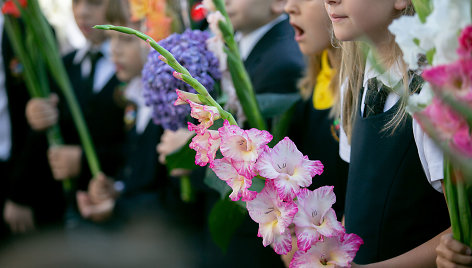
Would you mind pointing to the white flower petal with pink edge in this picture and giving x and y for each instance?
(274, 216)
(206, 115)
(225, 170)
(336, 251)
(289, 169)
(205, 145)
(242, 145)
(184, 97)
(315, 217)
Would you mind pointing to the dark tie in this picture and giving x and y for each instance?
(375, 97)
(94, 57)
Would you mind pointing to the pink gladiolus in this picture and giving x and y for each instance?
(455, 77)
(243, 146)
(465, 43)
(224, 169)
(206, 115)
(445, 120)
(315, 217)
(274, 216)
(186, 97)
(462, 140)
(289, 169)
(206, 146)
(336, 251)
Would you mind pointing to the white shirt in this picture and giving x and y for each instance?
(104, 69)
(247, 42)
(430, 154)
(5, 124)
(134, 93)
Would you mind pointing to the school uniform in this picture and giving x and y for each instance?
(272, 57)
(141, 179)
(13, 126)
(25, 176)
(92, 75)
(392, 197)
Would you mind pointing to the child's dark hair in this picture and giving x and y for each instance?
(118, 12)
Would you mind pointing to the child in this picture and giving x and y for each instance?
(135, 186)
(92, 76)
(316, 135)
(270, 54)
(389, 202)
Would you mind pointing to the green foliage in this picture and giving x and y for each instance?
(216, 184)
(183, 158)
(423, 8)
(225, 218)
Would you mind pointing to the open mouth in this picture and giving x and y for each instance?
(299, 32)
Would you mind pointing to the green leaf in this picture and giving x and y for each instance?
(216, 183)
(430, 55)
(225, 218)
(257, 184)
(274, 104)
(183, 158)
(281, 125)
(423, 8)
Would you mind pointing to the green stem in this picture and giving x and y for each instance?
(32, 79)
(451, 197)
(172, 62)
(44, 37)
(186, 189)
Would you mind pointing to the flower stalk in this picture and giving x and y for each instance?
(182, 72)
(44, 40)
(35, 78)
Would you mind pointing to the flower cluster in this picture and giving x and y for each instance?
(438, 33)
(159, 86)
(9, 7)
(284, 200)
(153, 12)
(454, 79)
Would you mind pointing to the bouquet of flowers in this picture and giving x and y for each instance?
(442, 31)
(37, 36)
(286, 171)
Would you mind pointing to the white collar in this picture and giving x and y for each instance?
(248, 42)
(104, 48)
(134, 93)
(392, 78)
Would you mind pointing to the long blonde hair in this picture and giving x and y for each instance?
(351, 76)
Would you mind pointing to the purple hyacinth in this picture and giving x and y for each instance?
(188, 48)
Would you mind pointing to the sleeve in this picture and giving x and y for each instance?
(431, 157)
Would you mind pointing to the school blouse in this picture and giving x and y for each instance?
(430, 154)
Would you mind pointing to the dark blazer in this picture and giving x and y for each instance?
(27, 179)
(275, 63)
(103, 114)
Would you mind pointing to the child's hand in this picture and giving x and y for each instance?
(101, 189)
(96, 212)
(452, 253)
(18, 217)
(42, 113)
(171, 141)
(65, 161)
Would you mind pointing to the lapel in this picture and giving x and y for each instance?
(278, 31)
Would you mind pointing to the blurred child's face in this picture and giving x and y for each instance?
(248, 15)
(311, 24)
(128, 53)
(353, 19)
(88, 13)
